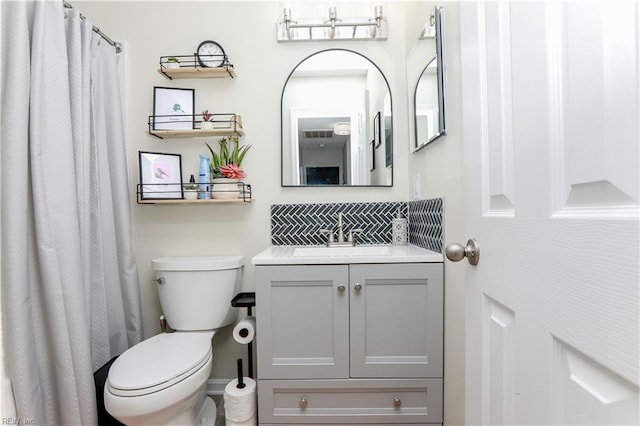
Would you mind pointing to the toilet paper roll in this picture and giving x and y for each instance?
(251, 422)
(240, 404)
(245, 330)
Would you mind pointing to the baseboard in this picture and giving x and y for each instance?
(216, 386)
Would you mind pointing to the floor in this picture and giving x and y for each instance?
(220, 421)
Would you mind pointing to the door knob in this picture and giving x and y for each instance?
(456, 252)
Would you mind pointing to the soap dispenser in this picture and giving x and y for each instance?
(399, 230)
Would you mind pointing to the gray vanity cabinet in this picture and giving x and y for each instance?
(349, 344)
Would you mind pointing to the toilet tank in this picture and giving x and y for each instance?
(195, 292)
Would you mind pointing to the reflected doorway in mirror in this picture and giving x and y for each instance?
(327, 93)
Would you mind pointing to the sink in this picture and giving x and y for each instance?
(323, 255)
(323, 251)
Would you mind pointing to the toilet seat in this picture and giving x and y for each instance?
(158, 363)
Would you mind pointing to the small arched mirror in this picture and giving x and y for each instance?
(336, 122)
(429, 97)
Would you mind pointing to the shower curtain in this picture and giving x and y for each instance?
(70, 295)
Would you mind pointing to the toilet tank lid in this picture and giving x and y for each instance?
(202, 263)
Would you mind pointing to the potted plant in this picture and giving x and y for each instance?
(190, 191)
(226, 167)
(172, 62)
(207, 120)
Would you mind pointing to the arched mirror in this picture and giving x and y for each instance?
(336, 122)
(429, 95)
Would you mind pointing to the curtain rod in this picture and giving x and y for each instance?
(115, 44)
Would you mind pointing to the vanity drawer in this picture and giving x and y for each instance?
(370, 401)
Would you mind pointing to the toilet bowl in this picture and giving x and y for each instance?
(159, 380)
(162, 380)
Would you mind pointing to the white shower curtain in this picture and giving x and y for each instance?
(70, 295)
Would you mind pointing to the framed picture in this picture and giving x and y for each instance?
(173, 108)
(373, 155)
(160, 175)
(377, 136)
(388, 141)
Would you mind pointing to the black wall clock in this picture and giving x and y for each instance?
(210, 54)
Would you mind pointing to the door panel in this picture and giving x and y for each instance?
(586, 392)
(552, 307)
(499, 343)
(593, 105)
(497, 149)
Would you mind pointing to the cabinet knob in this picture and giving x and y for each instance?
(303, 403)
(397, 402)
(341, 288)
(357, 288)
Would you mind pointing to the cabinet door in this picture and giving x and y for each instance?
(396, 320)
(302, 321)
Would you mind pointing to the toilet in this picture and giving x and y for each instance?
(162, 380)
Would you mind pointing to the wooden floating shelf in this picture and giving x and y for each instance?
(194, 133)
(243, 190)
(198, 201)
(224, 124)
(198, 72)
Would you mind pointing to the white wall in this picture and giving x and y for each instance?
(441, 174)
(247, 31)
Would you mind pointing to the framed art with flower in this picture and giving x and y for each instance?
(160, 175)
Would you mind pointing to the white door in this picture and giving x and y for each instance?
(551, 128)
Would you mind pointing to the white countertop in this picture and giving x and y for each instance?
(288, 255)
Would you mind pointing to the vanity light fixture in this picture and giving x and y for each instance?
(333, 28)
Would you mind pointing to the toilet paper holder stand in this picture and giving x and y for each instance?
(246, 300)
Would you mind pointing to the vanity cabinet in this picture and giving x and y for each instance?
(350, 343)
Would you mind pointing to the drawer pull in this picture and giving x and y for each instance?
(341, 288)
(397, 402)
(303, 403)
(357, 288)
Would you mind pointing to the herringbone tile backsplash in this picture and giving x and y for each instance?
(425, 224)
(300, 224)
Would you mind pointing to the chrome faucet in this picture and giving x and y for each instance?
(331, 238)
(340, 231)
